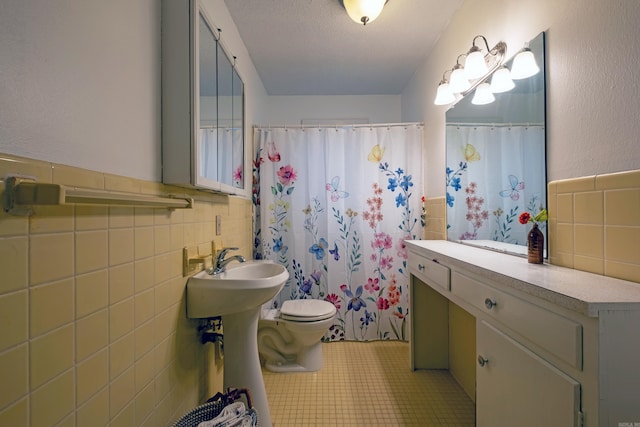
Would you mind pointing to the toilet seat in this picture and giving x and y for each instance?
(308, 310)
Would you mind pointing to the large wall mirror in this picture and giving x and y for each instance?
(496, 163)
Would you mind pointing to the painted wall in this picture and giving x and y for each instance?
(592, 85)
(80, 82)
(294, 110)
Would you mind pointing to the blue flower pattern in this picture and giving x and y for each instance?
(318, 248)
(355, 301)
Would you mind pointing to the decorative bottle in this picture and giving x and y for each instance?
(535, 245)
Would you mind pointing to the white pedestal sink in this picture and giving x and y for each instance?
(237, 295)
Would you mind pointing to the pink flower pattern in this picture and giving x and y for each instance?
(401, 247)
(286, 175)
(335, 300)
(372, 285)
(272, 152)
(382, 304)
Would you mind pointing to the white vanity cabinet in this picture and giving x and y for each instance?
(553, 346)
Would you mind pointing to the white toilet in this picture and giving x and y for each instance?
(289, 338)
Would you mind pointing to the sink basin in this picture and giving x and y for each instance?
(243, 286)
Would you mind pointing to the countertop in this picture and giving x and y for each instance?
(583, 292)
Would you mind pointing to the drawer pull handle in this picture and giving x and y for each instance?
(489, 303)
(420, 267)
(482, 360)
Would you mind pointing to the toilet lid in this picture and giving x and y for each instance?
(307, 310)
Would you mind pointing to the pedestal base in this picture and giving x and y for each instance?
(242, 363)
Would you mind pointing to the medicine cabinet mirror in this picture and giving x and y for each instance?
(496, 164)
(202, 103)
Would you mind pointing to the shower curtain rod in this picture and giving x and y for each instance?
(353, 126)
(219, 127)
(493, 124)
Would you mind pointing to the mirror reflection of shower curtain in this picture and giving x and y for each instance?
(493, 175)
(334, 205)
(225, 155)
(237, 135)
(222, 156)
(208, 139)
(230, 156)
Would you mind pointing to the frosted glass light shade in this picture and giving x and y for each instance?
(363, 11)
(524, 65)
(474, 65)
(501, 81)
(444, 95)
(483, 95)
(458, 82)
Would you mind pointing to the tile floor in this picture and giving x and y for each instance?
(367, 384)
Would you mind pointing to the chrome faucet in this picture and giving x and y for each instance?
(220, 262)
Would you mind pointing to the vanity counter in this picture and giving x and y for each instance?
(579, 291)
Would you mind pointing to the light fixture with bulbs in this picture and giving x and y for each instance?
(363, 11)
(483, 95)
(475, 65)
(479, 67)
(444, 96)
(501, 80)
(458, 81)
(524, 64)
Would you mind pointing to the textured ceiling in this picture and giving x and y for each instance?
(312, 47)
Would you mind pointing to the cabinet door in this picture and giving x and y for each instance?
(516, 387)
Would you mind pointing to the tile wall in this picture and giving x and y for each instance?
(436, 219)
(92, 318)
(594, 224)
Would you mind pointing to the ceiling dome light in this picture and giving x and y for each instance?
(524, 65)
(363, 11)
(501, 80)
(483, 95)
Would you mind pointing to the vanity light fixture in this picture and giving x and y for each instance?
(501, 80)
(479, 66)
(474, 65)
(524, 64)
(363, 11)
(444, 95)
(458, 82)
(483, 95)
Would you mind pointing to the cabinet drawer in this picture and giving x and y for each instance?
(429, 271)
(560, 336)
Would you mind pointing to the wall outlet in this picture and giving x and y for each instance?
(218, 225)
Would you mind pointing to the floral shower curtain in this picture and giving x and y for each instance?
(335, 205)
(488, 199)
